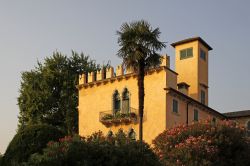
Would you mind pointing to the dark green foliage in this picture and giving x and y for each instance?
(48, 93)
(1, 157)
(29, 140)
(94, 151)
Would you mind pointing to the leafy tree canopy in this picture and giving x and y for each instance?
(48, 93)
(31, 139)
(139, 43)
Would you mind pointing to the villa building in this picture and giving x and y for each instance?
(240, 117)
(108, 99)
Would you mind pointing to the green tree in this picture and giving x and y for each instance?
(48, 93)
(31, 139)
(139, 44)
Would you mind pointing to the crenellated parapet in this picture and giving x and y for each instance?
(109, 73)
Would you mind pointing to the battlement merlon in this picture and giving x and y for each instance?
(119, 70)
(109, 72)
(91, 77)
(83, 79)
(100, 75)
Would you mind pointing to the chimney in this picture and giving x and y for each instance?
(183, 88)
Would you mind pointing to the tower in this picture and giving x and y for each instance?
(191, 63)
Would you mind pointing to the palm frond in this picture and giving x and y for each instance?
(139, 41)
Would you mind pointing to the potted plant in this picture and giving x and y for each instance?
(126, 120)
(116, 121)
(106, 119)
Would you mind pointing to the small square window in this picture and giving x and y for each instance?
(175, 106)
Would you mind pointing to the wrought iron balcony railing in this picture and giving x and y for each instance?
(116, 117)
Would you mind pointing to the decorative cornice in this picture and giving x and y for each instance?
(191, 40)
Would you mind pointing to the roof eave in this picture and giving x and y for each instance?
(191, 40)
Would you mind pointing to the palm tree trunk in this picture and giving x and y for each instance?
(141, 99)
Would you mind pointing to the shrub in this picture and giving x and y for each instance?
(203, 144)
(1, 156)
(94, 150)
(29, 140)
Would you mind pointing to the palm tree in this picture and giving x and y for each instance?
(139, 44)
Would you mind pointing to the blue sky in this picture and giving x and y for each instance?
(31, 30)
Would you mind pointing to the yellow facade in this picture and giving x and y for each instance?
(96, 98)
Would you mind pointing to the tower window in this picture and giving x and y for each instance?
(203, 54)
(175, 106)
(196, 115)
(203, 97)
(186, 53)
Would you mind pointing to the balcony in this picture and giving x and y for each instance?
(109, 118)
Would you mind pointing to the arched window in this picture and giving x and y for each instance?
(125, 101)
(116, 102)
(248, 128)
(132, 134)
